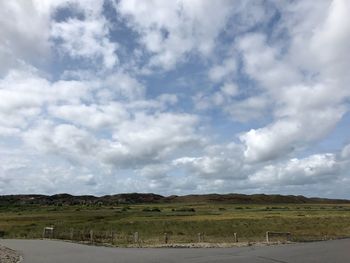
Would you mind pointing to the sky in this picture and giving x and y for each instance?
(175, 97)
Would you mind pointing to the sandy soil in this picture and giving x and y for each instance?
(8, 255)
(208, 245)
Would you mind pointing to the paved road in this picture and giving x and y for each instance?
(44, 251)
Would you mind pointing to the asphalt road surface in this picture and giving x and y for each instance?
(45, 251)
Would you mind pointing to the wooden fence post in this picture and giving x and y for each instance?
(91, 236)
(199, 237)
(267, 237)
(136, 237)
(166, 238)
(112, 237)
(71, 233)
(235, 237)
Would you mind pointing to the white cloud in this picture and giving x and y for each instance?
(313, 169)
(247, 109)
(308, 98)
(320, 41)
(65, 118)
(219, 162)
(215, 167)
(241, 110)
(86, 38)
(27, 27)
(63, 139)
(229, 89)
(176, 28)
(298, 99)
(25, 95)
(137, 141)
(148, 139)
(333, 39)
(24, 33)
(266, 63)
(288, 134)
(123, 86)
(95, 99)
(220, 72)
(24, 171)
(345, 153)
(92, 116)
(155, 171)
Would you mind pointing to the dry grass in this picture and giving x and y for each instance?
(217, 222)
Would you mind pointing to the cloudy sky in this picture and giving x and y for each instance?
(175, 97)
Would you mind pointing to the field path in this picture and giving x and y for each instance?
(45, 251)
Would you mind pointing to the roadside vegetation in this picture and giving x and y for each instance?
(217, 223)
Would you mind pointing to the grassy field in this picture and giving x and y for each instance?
(182, 222)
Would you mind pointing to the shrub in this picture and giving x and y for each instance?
(148, 209)
(184, 209)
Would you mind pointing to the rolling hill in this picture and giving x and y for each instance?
(139, 198)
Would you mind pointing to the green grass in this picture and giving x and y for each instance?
(182, 222)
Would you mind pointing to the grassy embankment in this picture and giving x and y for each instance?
(217, 222)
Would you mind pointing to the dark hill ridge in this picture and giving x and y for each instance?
(254, 199)
(139, 198)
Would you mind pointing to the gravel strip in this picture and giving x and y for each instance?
(8, 255)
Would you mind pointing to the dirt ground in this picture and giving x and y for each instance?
(8, 255)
